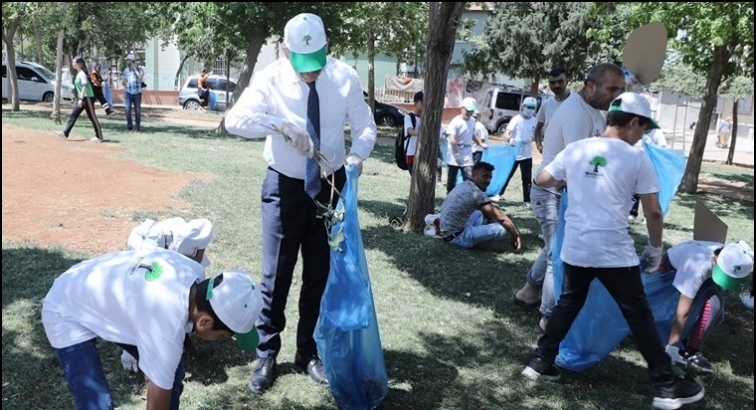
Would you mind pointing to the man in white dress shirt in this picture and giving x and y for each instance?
(301, 103)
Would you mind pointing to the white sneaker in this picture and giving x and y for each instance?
(95, 139)
(496, 198)
(526, 205)
(748, 302)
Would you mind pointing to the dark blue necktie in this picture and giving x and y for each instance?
(312, 169)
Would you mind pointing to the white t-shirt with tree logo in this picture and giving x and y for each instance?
(602, 175)
(138, 298)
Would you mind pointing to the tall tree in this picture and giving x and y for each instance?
(63, 7)
(444, 19)
(390, 28)
(736, 89)
(527, 39)
(13, 14)
(717, 40)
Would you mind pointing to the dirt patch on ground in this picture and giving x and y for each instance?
(731, 189)
(75, 194)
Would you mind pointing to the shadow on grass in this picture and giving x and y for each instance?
(724, 207)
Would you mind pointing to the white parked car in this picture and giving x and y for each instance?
(35, 83)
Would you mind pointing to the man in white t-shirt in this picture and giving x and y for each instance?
(146, 302)
(461, 136)
(481, 135)
(521, 129)
(558, 79)
(576, 119)
(602, 174)
(412, 129)
(702, 269)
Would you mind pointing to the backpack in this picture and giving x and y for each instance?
(401, 142)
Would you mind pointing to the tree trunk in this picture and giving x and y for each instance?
(371, 73)
(253, 51)
(444, 21)
(9, 32)
(59, 68)
(178, 72)
(734, 137)
(229, 55)
(38, 44)
(534, 85)
(689, 183)
(685, 121)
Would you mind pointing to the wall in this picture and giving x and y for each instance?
(667, 103)
(745, 117)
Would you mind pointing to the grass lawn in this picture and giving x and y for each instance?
(451, 338)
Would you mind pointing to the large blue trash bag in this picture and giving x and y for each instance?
(347, 330)
(600, 326)
(502, 157)
(670, 167)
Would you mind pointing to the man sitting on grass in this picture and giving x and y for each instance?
(463, 211)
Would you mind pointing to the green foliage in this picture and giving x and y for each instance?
(737, 88)
(396, 29)
(702, 27)
(680, 79)
(528, 39)
(206, 30)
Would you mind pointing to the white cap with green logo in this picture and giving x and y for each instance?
(734, 262)
(305, 38)
(237, 301)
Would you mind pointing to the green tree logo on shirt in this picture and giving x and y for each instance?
(154, 271)
(597, 161)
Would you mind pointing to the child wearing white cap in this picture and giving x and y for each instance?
(461, 136)
(521, 129)
(703, 269)
(146, 302)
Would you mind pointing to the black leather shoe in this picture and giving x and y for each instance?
(313, 366)
(263, 374)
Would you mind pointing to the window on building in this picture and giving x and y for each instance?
(220, 67)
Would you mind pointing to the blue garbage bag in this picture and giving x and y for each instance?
(347, 332)
(670, 167)
(502, 157)
(600, 326)
(213, 100)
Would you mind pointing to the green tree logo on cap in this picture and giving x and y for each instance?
(307, 39)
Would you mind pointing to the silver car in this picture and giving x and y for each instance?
(189, 99)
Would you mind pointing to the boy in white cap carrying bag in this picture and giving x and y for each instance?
(461, 136)
(703, 269)
(98, 298)
(601, 175)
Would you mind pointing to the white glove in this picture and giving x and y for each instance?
(298, 138)
(129, 363)
(652, 256)
(356, 160)
(674, 353)
(484, 145)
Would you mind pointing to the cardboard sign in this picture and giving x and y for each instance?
(707, 226)
(645, 52)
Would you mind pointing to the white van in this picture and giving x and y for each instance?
(35, 83)
(501, 104)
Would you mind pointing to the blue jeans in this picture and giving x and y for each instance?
(86, 378)
(545, 205)
(128, 100)
(477, 232)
